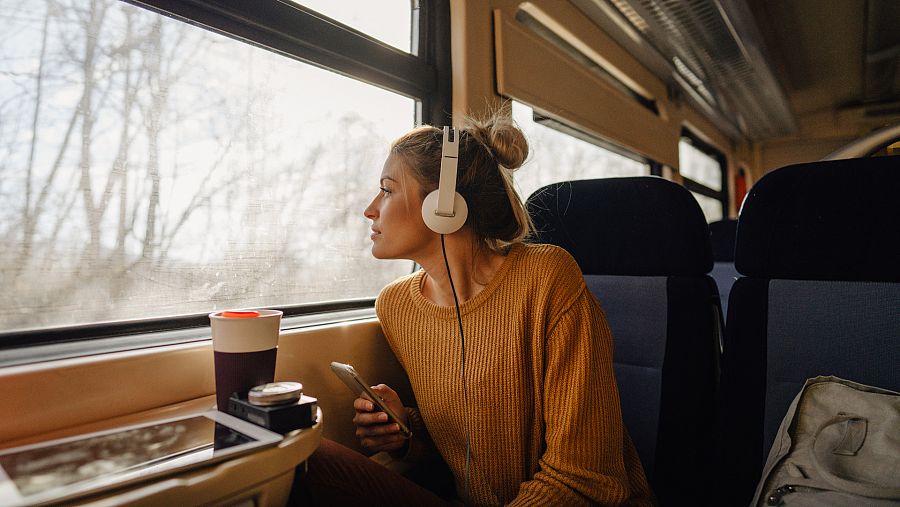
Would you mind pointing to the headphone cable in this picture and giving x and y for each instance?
(462, 340)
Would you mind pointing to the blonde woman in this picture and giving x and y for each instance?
(507, 351)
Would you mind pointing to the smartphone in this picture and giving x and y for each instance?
(359, 387)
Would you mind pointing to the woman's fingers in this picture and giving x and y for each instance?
(380, 437)
(363, 405)
(377, 430)
(390, 399)
(374, 429)
(387, 394)
(383, 443)
(370, 418)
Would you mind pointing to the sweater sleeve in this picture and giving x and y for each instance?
(583, 462)
(420, 448)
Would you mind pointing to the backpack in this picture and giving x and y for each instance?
(839, 444)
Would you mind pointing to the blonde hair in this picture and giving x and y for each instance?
(490, 149)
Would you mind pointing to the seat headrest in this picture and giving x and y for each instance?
(722, 234)
(638, 226)
(830, 220)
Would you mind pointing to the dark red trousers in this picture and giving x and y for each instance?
(337, 475)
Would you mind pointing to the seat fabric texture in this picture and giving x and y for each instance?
(818, 246)
(643, 246)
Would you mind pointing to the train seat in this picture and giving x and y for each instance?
(643, 246)
(818, 246)
(722, 234)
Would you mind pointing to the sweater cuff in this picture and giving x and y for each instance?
(419, 446)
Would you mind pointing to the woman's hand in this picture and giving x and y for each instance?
(374, 429)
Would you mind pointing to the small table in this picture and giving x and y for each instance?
(262, 478)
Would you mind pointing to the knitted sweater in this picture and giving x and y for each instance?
(543, 414)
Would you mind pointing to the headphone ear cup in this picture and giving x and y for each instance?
(441, 224)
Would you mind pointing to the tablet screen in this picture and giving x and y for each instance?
(130, 451)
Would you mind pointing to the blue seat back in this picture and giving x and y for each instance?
(722, 234)
(818, 246)
(643, 246)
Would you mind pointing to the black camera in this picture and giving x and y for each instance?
(271, 407)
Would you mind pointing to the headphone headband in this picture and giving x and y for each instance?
(449, 162)
(444, 210)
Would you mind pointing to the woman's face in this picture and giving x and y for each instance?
(398, 231)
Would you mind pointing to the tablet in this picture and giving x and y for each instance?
(56, 470)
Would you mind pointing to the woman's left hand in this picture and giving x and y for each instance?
(374, 429)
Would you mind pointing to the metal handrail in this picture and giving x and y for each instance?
(868, 145)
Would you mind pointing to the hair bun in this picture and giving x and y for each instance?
(508, 144)
(502, 137)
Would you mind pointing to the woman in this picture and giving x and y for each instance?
(514, 383)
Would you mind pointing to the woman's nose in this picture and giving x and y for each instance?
(370, 212)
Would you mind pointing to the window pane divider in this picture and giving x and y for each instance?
(297, 32)
(702, 189)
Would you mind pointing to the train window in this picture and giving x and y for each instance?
(699, 166)
(702, 168)
(712, 208)
(387, 21)
(556, 156)
(153, 168)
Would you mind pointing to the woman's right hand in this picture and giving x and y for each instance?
(374, 429)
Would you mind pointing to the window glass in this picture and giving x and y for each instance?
(385, 20)
(712, 208)
(555, 156)
(152, 168)
(699, 166)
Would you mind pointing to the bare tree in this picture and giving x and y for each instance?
(106, 212)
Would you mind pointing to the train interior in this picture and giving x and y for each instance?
(798, 279)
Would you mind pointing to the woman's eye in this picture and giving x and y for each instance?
(386, 191)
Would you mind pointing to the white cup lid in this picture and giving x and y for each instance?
(275, 393)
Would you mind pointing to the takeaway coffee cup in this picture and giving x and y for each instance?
(244, 345)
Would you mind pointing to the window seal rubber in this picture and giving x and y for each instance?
(38, 345)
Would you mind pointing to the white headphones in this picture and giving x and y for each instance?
(444, 210)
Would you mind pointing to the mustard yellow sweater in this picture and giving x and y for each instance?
(543, 408)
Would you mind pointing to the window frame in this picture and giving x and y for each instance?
(295, 31)
(292, 31)
(695, 186)
(564, 128)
